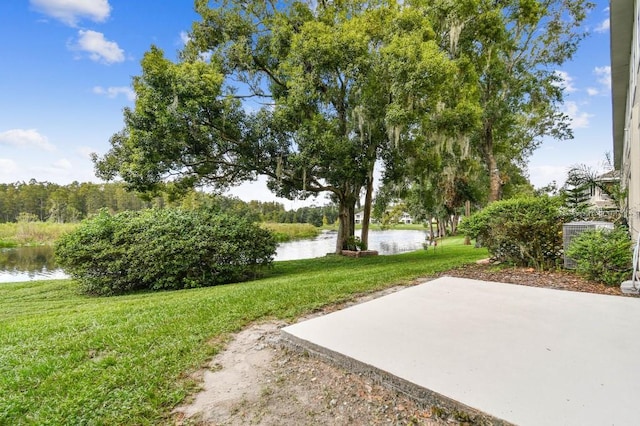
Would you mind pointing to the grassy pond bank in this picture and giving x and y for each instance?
(72, 359)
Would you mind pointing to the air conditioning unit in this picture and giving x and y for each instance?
(573, 229)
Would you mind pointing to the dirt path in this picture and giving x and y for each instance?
(256, 380)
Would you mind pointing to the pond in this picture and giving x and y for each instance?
(385, 242)
(28, 263)
(38, 263)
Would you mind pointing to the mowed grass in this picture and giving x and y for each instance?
(66, 358)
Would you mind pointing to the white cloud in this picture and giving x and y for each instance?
(57, 169)
(205, 56)
(565, 81)
(8, 167)
(62, 164)
(543, 175)
(604, 76)
(579, 120)
(71, 11)
(85, 152)
(99, 48)
(184, 37)
(26, 138)
(603, 27)
(113, 91)
(257, 190)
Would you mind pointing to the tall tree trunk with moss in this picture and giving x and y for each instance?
(513, 49)
(366, 215)
(346, 218)
(495, 181)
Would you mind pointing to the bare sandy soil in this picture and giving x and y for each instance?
(257, 380)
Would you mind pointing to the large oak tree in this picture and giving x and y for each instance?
(312, 95)
(326, 84)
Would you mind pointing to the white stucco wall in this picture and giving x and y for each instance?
(630, 153)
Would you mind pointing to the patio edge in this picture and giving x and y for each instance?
(424, 397)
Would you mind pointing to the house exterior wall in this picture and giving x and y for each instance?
(405, 218)
(600, 200)
(358, 218)
(625, 75)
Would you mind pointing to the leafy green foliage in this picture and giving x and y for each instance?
(163, 249)
(182, 126)
(583, 182)
(45, 201)
(522, 231)
(514, 49)
(354, 244)
(576, 193)
(602, 255)
(336, 80)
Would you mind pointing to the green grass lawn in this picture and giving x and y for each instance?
(72, 359)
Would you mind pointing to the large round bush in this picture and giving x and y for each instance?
(522, 231)
(163, 249)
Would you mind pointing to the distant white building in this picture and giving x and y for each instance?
(405, 218)
(599, 198)
(625, 72)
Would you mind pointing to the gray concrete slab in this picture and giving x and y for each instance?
(525, 355)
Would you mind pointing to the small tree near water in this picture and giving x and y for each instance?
(163, 249)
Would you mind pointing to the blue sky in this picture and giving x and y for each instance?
(66, 68)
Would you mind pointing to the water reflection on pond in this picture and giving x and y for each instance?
(28, 264)
(385, 242)
(38, 263)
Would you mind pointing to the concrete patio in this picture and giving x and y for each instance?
(506, 353)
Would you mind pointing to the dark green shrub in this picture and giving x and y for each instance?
(163, 249)
(603, 255)
(522, 231)
(354, 244)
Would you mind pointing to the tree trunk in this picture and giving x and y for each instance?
(343, 226)
(352, 219)
(442, 228)
(467, 213)
(495, 182)
(454, 219)
(432, 236)
(346, 218)
(366, 215)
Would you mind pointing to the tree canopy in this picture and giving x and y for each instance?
(515, 48)
(334, 80)
(313, 95)
(507, 97)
